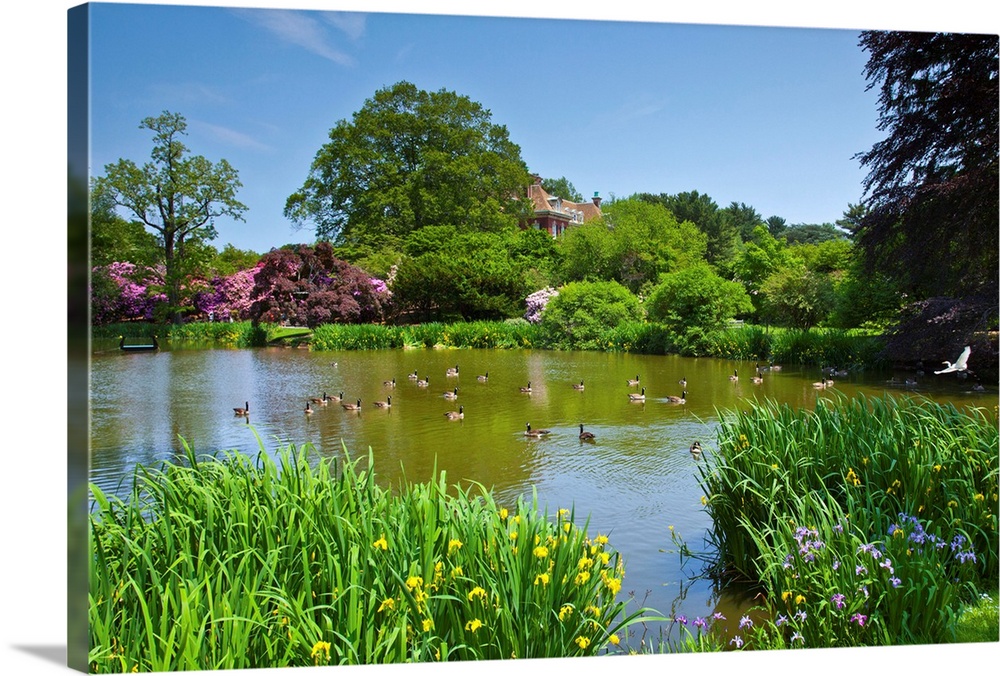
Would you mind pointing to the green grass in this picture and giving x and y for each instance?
(979, 622)
(238, 563)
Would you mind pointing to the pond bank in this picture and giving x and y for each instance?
(844, 350)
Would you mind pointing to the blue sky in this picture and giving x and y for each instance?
(768, 116)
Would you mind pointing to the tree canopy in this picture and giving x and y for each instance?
(408, 159)
(931, 194)
(700, 209)
(563, 188)
(176, 195)
(932, 186)
(633, 244)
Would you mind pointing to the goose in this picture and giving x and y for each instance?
(384, 404)
(960, 365)
(527, 389)
(637, 397)
(634, 383)
(424, 382)
(735, 376)
(452, 372)
(412, 376)
(774, 367)
(586, 436)
(456, 415)
(578, 387)
(674, 399)
(978, 387)
(528, 432)
(389, 383)
(696, 450)
(757, 379)
(451, 395)
(352, 407)
(821, 385)
(483, 378)
(683, 382)
(243, 412)
(339, 397)
(309, 408)
(321, 401)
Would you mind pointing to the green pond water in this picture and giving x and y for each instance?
(634, 481)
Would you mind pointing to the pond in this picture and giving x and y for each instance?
(635, 480)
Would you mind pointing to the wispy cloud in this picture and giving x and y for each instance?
(351, 24)
(300, 29)
(229, 136)
(638, 109)
(628, 113)
(188, 92)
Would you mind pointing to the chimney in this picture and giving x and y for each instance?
(537, 179)
(597, 200)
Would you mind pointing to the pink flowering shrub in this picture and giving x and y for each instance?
(228, 297)
(123, 291)
(536, 302)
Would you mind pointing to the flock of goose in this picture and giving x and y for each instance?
(313, 403)
(635, 397)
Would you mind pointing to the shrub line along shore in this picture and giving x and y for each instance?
(845, 349)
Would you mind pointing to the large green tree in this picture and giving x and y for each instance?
(633, 244)
(700, 209)
(932, 187)
(744, 218)
(447, 274)
(563, 188)
(116, 239)
(177, 195)
(812, 233)
(760, 257)
(408, 159)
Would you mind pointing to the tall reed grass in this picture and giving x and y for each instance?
(476, 334)
(818, 347)
(824, 347)
(213, 334)
(240, 563)
(866, 521)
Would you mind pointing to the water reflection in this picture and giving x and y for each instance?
(634, 481)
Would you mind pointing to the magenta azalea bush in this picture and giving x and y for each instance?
(228, 297)
(302, 286)
(123, 291)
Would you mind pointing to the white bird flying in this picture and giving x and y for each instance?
(960, 365)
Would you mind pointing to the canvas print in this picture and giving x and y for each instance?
(425, 338)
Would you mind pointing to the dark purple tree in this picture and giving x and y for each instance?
(932, 186)
(308, 286)
(931, 206)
